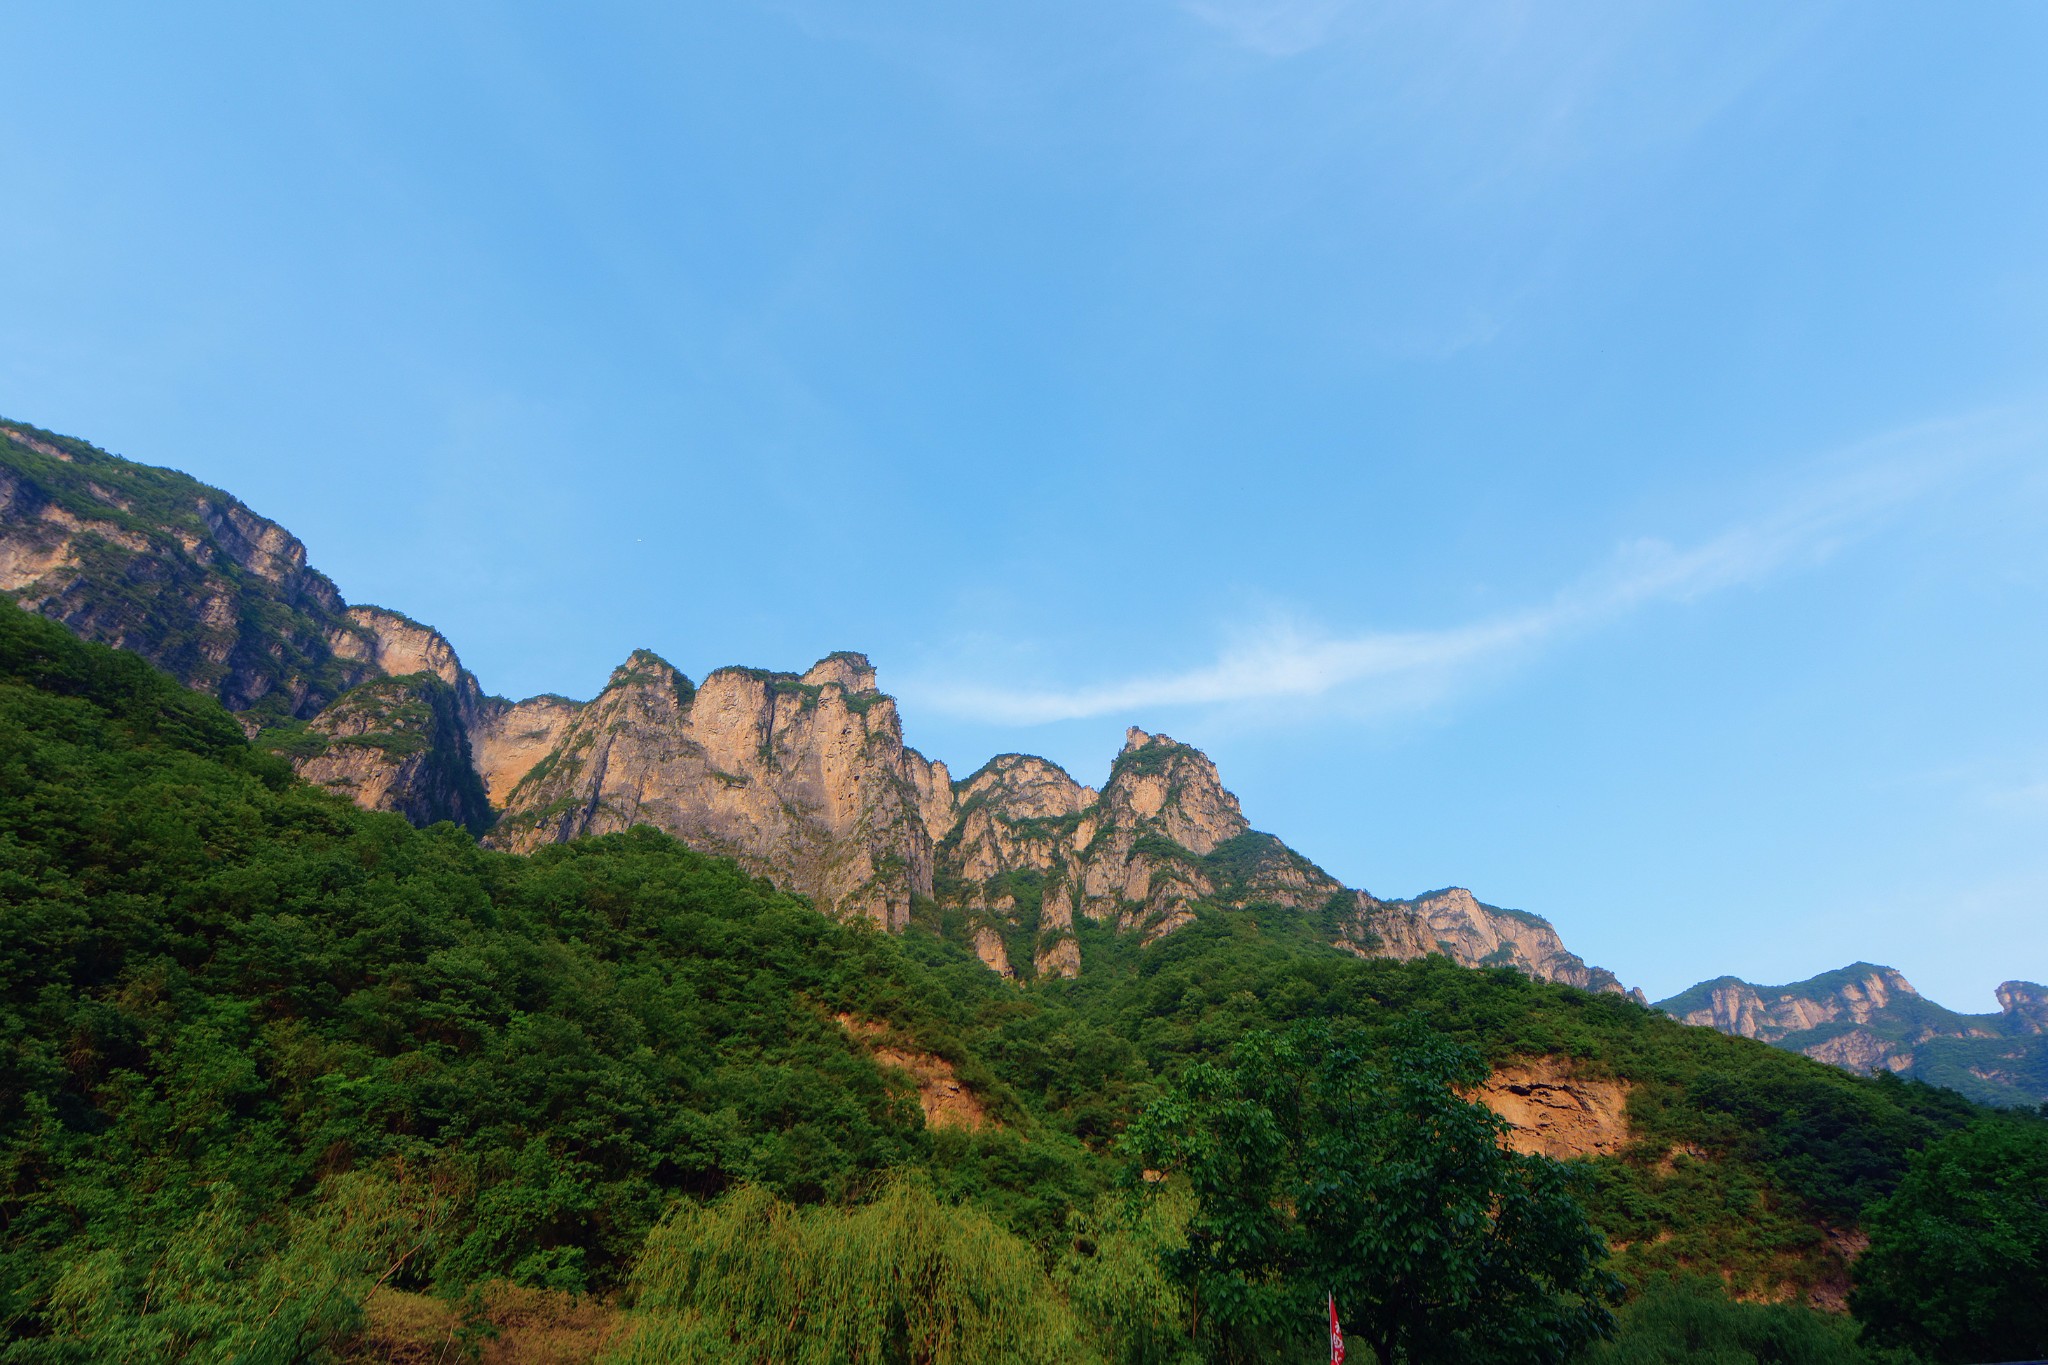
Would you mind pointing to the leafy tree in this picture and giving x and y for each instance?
(1113, 1276)
(906, 1278)
(1690, 1320)
(1318, 1168)
(1958, 1258)
(234, 1009)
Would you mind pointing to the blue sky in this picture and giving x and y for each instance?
(1593, 454)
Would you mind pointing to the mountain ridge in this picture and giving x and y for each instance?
(802, 777)
(1868, 1018)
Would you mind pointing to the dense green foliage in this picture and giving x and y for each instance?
(219, 984)
(1691, 1321)
(1958, 1261)
(260, 1050)
(904, 1278)
(1318, 1169)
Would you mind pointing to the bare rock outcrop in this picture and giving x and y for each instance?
(1858, 995)
(803, 779)
(1458, 925)
(508, 739)
(152, 561)
(947, 1101)
(1162, 812)
(1031, 848)
(2025, 1006)
(1867, 1018)
(1556, 1112)
(397, 744)
(1861, 1051)
(387, 643)
(1171, 789)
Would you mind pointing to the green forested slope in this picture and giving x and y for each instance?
(260, 1050)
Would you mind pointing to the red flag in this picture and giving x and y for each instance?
(1336, 1335)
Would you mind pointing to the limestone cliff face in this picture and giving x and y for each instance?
(1770, 1013)
(404, 740)
(151, 561)
(390, 645)
(154, 562)
(1162, 812)
(1457, 924)
(804, 779)
(397, 744)
(508, 739)
(1008, 858)
(1030, 848)
(2025, 1006)
(1868, 1018)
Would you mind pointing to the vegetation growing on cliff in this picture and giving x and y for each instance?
(157, 563)
(260, 1051)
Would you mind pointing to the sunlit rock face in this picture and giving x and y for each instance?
(2025, 1006)
(1031, 848)
(1458, 925)
(151, 561)
(803, 778)
(1867, 1018)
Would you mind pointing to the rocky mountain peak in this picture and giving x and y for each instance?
(645, 668)
(1465, 929)
(1854, 994)
(2025, 1004)
(850, 670)
(395, 645)
(1025, 787)
(153, 561)
(1867, 1017)
(801, 777)
(1157, 780)
(804, 779)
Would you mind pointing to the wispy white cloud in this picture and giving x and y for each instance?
(1273, 28)
(2026, 797)
(1386, 671)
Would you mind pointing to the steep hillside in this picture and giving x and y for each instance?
(804, 778)
(149, 560)
(262, 1053)
(1869, 1018)
(184, 575)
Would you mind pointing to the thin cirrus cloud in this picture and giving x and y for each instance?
(1377, 673)
(1272, 28)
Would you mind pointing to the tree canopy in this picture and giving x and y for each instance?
(1958, 1262)
(1319, 1168)
(261, 1051)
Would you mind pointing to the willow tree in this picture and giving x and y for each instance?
(904, 1280)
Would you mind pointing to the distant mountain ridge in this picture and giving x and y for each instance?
(803, 778)
(1868, 1018)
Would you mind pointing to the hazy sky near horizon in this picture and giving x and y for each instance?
(1593, 454)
